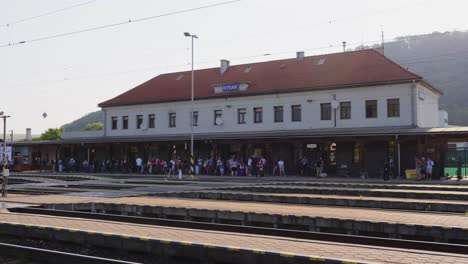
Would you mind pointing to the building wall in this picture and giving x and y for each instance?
(309, 101)
(427, 107)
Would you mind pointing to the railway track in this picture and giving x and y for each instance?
(306, 235)
(11, 253)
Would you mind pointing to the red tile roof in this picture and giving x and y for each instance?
(339, 70)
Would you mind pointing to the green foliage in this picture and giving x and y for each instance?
(51, 134)
(94, 126)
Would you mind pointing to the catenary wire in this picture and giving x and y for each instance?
(147, 69)
(9, 24)
(117, 24)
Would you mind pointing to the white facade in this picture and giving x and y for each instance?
(418, 106)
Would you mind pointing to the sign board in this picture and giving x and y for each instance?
(8, 152)
(231, 87)
(311, 146)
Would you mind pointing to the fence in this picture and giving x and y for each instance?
(456, 158)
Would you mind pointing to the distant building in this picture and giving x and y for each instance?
(355, 110)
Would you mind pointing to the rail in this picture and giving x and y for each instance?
(40, 255)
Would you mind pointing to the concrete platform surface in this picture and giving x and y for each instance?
(372, 215)
(340, 197)
(314, 249)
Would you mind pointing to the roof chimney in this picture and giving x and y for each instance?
(299, 55)
(28, 134)
(224, 66)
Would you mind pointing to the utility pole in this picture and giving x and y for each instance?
(192, 162)
(5, 172)
(383, 42)
(11, 137)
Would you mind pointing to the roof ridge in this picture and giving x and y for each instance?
(277, 60)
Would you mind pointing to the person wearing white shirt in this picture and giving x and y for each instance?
(429, 166)
(281, 167)
(139, 163)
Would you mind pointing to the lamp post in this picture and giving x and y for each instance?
(192, 106)
(5, 171)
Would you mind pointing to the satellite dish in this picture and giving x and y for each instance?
(44, 115)
(334, 104)
(219, 121)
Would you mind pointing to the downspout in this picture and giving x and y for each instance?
(414, 102)
(398, 157)
(105, 122)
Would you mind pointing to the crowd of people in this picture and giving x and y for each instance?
(424, 168)
(253, 166)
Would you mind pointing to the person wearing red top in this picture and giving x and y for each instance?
(260, 168)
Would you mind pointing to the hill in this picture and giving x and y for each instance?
(83, 122)
(442, 59)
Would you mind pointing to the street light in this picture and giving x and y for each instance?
(5, 171)
(191, 113)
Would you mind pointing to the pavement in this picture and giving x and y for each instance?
(258, 243)
(362, 214)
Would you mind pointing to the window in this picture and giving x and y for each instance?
(151, 120)
(195, 118)
(241, 112)
(296, 113)
(124, 122)
(217, 114)
(345, 110)
(393, 107)
(278, 114)
(172, 119)
(114, 122)
(139, 121)
(258, 112)
(325, 111)
(371, 108)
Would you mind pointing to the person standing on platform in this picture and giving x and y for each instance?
(304, 166)
(281, 167)
(249, 166)
(60, 165)
(319, 167)
(260, 168)
(233, 167)
(220, 165)
(139, 163)
(429, 167)
(417, 164)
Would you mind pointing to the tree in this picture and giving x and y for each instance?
(51, 134)
(94, 126)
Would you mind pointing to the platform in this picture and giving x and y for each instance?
(293, 250)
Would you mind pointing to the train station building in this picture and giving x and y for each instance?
(355, 110)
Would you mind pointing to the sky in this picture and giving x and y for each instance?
(67, 77)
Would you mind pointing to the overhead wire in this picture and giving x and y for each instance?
(9, 24)
(117, 24)
(147, 69)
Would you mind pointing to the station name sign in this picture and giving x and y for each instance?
(230, 87)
